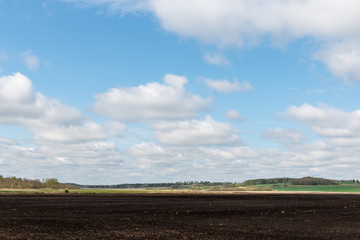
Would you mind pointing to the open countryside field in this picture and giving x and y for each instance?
(341, 188)
(180, 216)
(320, 188)
(75, 191)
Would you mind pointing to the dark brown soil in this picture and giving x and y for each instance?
(245, 216)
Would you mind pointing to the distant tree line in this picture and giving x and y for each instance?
(14, 182)
(293, 181)
(349, 181)
(176, 185)
(268, 181)
(313, 181)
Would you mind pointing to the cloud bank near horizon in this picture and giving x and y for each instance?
(63, 137)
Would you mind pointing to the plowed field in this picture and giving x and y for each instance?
(243, 216)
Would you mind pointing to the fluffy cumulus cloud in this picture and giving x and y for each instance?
(246, 23)
(342, 59)
(15, 88)
(231, 21)
(227, 86)
(82, 163)
(60, 134)
(196, 132)
(327, 121)
(337, 148)
(333, 154)
(240, 23)
(237, 163)
(66, 143)
(21, 106)
(152, 101)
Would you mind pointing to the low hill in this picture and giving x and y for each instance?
(293, 181)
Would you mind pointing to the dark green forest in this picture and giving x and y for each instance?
(293, 181)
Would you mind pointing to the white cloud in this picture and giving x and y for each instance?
(231, 22)
(289, 136)
(196, 133)
(327, 121)
(242, 23)
(150, 154)
(146, 149)
(61, 135)
(216, 59)
(337, 149)
(238, 23)
(15, 88)
(227, 22)
(342, 59)
(230, 156)
(226, 86)
(234, 115)
(152, 101)
(185, 150)
(50, 157)
(80, 153)
(87, 131)
(190, 162)
(31, 61)
(48, 119)
(20, 106)
(239, 163)
(6, 141)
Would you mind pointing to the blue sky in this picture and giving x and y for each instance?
(118, 91)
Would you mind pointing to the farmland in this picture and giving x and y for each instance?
(341, 188)
(180, 216)
(350, 188)
(271, 188)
